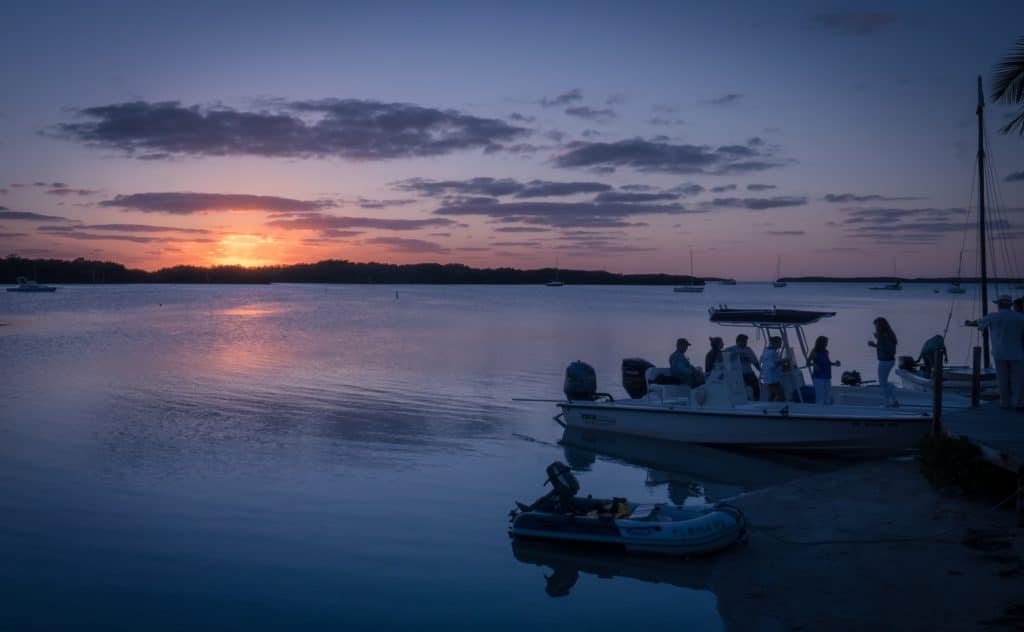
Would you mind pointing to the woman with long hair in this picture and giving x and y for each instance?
(885, 347)
(821, 371)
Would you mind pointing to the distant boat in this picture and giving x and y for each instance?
(955, 288)
(24, 285)
(778, 274)
(555, 282)
(692, 286)
(898, 285)
(727, 282)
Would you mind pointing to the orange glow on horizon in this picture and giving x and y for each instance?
(246, 250)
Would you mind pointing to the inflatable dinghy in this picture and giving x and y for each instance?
(659, 528)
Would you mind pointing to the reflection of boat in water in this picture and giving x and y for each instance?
(655, 528)
(684, 466)
(721, 413)
(568, 562)
(24, 285)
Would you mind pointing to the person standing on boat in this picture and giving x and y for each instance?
(714, 356)
(821, 371)
(771, 370)
(748, 360)
(680, 366)
(1007, 330)
(885, 347)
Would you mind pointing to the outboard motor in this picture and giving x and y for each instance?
(907, 363)
(851, 378)
(634, 376)
(563, 483)
(580, 382)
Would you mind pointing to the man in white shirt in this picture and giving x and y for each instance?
(771, 370)
(1006, 328)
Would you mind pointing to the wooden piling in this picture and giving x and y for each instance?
(937, 395)
(976, 378)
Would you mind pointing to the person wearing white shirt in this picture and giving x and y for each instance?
(1006, 328)
(771, 370)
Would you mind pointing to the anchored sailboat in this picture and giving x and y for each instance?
(778, 273)
(555, 282)
(693, 285)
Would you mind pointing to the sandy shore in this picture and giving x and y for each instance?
(965, 570)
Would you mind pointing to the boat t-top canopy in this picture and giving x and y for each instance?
(766, 317)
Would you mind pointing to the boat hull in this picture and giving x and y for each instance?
(957, 380)
(704, 531)
(761, 425)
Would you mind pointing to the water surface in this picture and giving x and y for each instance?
(283, 455)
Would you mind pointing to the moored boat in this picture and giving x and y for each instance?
(720, 412)
(25, 285)
(657, 528)
(898, 285)
(695, 285)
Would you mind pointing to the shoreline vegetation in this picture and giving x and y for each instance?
(83, 271)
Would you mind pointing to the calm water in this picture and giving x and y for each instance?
(270, 456)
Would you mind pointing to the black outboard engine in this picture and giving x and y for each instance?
(563, 483)
(580, 382)
(907, 363)
(634, 376)
(851, 378)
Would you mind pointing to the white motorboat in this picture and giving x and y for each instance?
(955, 288)
(25, 285)
(659, 528)
(721, 413)
(694, 286)
(955, 379)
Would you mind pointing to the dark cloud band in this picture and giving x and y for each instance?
(349, 128)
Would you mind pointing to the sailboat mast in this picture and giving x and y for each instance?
(981, 220)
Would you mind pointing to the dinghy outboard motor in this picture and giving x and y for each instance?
(580, 382)
(563, 483)
(634, 376)
(851, 378)
(907, 363)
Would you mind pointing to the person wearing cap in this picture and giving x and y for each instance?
(714, 356)
(680, 366)
(1006, 329)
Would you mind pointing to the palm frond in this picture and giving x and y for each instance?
(1008, 80)
(1017, 122)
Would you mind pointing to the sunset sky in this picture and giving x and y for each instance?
(617, 136)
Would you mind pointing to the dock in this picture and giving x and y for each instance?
(998, 433)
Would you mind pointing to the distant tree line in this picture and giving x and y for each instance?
(340, 271)
(330, 271)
